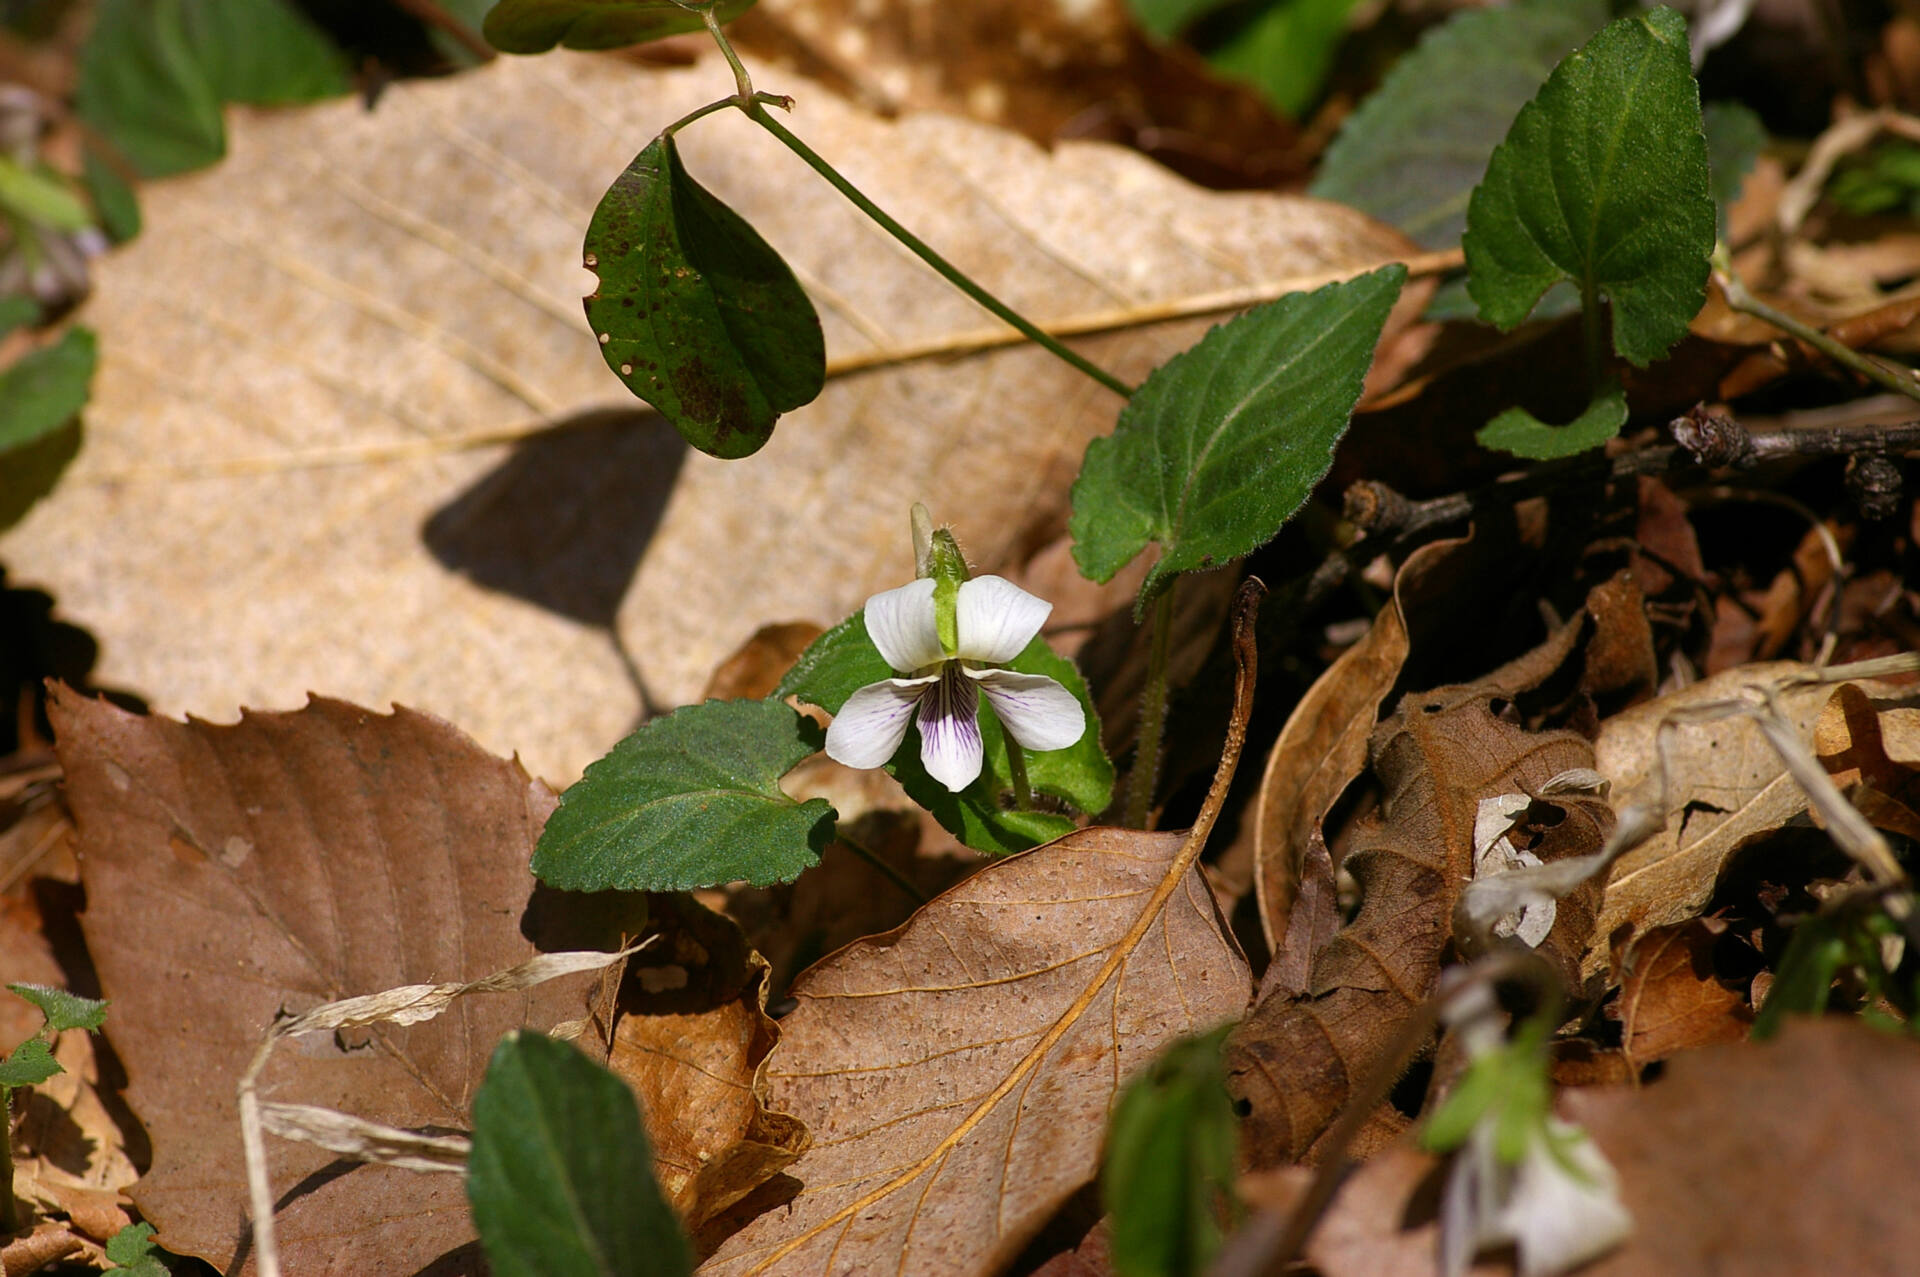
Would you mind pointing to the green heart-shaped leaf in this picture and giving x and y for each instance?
(695, 312)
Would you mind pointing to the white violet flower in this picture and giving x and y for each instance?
(993, 620)
(1559, 1208)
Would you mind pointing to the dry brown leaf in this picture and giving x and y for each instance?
(32, 1251)
(1767, 1159)
(289, 860)
(1727, 787)
(1083, 69)
(691, 1039)
(1873, 752)
(1294, 1061)
(1670, 999)
(957, 1073)
(1383, 1225)
(70, 1155)
(303, 331)
(1324, 743)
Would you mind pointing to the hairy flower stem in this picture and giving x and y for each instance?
(1153, 717)
(9, 1209)
(1017, 765)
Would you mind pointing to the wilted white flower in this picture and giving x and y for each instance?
(1559, 1206)
(994, 620)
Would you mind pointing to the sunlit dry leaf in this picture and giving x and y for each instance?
(691, 1041)
(1727, 787)
(287, 482)
(289, 860)
(957, 1073)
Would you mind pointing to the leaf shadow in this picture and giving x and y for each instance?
(564, 521)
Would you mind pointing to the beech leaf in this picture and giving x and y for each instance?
(690, 800)
(534, 26)
(844, 660)
(1226, 440)
(695, 312)
(1602, 180)
(561, 1173)
(1035, 990)
(1524, 435)
(1415, 148)
(234, 873)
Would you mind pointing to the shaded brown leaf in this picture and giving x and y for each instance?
(1295, 1060)
(1382, 1224)
(1324, 743)
(956, 1073)
(285, 861)
(1774, 1158)
(1670, 999)
(691, 1039)
(248, 521)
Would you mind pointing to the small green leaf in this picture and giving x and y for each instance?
(1735, 138)
(1524, 435)
(264, 52)
(142, 86)
(561, 1174)
(1167, 1175)
(1226, 440)
(1602, 180)
(113, 198)
(40, 196)
(43, 390)
(64, 1010)
(690, 800)
(1285, 50)
(154, 73)
(1164, 19)
(1418, 145)
(844, 660)
(1815, 953)
(31, 1062)
(132, 1249)
(17, 310)
(695, 312)
(534, 26)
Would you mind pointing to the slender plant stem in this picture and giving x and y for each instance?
(721, 105)
(874, 858)
(1596, 336)
(9, 1209)
(1153, 715)
(947, 271)
(1741, 300)
(1017, 765)
(742, 82)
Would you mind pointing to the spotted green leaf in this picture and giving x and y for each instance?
(695, 312)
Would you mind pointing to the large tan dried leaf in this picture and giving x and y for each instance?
(691, 1039)
(285, 861)
(1726, 788)
(956, 1073)
(301, 331)
(1669, 998)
